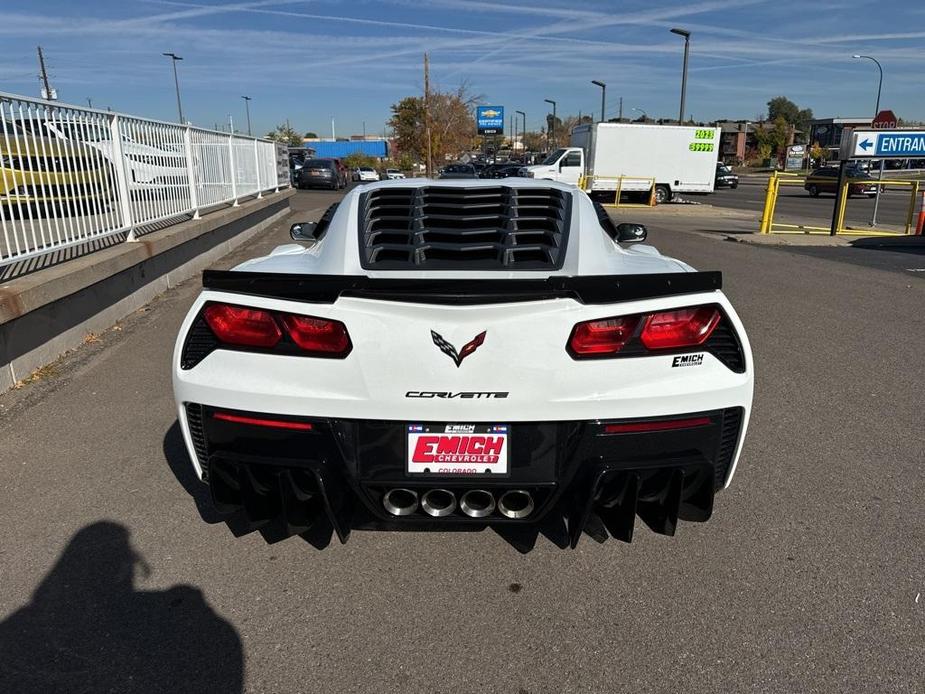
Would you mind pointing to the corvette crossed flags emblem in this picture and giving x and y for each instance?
(451, 352)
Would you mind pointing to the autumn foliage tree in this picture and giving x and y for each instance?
(452, 124)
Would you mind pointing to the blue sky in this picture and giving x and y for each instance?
(309, 60)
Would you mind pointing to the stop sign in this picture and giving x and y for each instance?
(885, 120)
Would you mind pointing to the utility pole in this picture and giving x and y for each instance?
(333, 134)
(429, 163)
(621, 109)
(364, 130)
(89, 102)
(43, 74)
(247, 107)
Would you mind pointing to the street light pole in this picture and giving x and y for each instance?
(603, 95)
(880, 85)
(523, 130)
(247, 107)
(176, 83)
(873, 219)
(550, 101)
(687, 44)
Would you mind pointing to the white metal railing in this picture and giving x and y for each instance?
(71, 175)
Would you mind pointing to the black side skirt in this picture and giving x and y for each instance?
(593, 289)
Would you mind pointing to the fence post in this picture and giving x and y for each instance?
(234, 183)
(190, 171)
(257, 169)
(121, 171)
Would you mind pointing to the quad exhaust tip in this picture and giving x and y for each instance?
(401, 502)
(515, 503)
(477, 503)
(438, 502)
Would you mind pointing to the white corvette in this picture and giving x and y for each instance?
(464, 353)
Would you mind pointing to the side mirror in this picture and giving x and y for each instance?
(631, 233)
(303, 231)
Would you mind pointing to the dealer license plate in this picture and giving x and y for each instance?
(458, 449)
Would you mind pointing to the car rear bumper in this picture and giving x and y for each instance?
(310, 475)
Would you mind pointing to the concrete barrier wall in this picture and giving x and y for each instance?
(49, 312)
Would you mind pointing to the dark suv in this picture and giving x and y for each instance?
(825, 180)
(725, 178)
(320, 173)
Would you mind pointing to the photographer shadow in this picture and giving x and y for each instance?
(88, 629)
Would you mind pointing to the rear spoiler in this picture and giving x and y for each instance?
(593, 289)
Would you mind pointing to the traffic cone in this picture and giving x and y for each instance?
(920, 226)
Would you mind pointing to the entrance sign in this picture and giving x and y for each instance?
(884, 144)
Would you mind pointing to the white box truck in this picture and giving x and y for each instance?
(633, 156)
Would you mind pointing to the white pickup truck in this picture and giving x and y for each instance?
(633, 156)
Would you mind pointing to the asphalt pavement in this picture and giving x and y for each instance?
(115, 575)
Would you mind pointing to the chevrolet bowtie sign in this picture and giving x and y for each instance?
(884, 144)
(490, 120)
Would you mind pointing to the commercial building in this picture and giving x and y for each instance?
(827, 132)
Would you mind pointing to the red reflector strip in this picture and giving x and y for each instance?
(259, 422)
(665, 425)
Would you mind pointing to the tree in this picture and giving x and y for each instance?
(775, 139)
(285, 134)
(534, 142)
(782, 107)
(357, 160)
(452, 125)
(818, 153)
(311, 136)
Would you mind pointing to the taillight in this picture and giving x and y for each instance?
(246, 327)
(643, 333)
(600, 337)
(320, 335)
(242, 326)
(684, 327)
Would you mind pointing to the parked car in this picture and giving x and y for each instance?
(825, 180)
(150, 167)
(725, 178)
(41, 175)
(367, 173)
(501, 170)
(320, 173)
(458, 171)
(421, 406)
(393, 174)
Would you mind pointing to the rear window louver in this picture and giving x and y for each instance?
(460, 228)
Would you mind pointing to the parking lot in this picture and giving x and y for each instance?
(809, 577)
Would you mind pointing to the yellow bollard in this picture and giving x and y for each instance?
(769, 200)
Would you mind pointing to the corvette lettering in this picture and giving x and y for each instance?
(451, 395)
(485, 450)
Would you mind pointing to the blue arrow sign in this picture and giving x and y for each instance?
(866, 144)
(899, 144)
